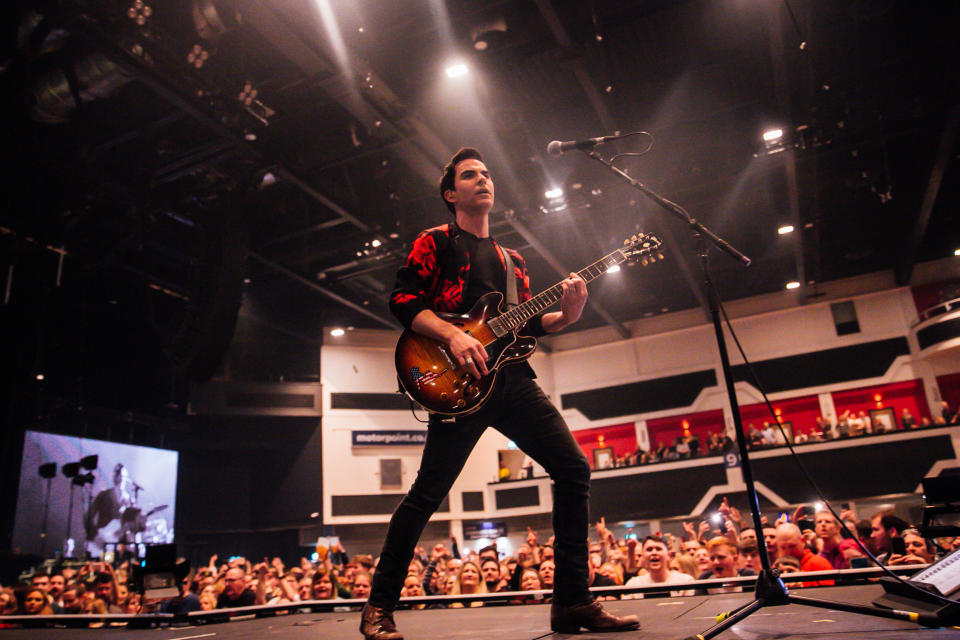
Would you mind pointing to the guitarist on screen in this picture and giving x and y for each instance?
(449, 268)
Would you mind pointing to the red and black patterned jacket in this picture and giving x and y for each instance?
(437, 274)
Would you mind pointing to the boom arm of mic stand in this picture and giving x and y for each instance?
(676, 210)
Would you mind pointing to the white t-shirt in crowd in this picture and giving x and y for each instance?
(673, 577)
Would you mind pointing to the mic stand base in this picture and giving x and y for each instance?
(771, 592)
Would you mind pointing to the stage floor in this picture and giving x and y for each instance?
(661, 618)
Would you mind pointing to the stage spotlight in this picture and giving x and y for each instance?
(614, 269)
(40, 377)
(956, 252)
(456, 70)
(47, 470)
(772, 136)
(89, 462)
(71, 469)
(336, 333)
(793, 285)
(553, 194)
(785, 229)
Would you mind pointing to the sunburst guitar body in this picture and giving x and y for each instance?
(432, 377)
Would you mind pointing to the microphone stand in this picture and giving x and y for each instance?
(770, 589)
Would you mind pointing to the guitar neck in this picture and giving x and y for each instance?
(514, 318)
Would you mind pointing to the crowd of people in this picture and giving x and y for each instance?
(849, 424)
(808, 541)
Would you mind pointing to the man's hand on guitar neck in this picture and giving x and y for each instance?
(571, 305)
(466, 350)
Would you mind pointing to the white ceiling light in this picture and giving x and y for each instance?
(456, 70)
(772, 135)
(554, 193)
(793, 285)
(785, 229)
(336, 333)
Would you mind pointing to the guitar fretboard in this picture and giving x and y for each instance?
(514, 318)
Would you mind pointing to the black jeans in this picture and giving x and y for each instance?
(519, 410)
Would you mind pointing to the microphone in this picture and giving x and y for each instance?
(558, 148)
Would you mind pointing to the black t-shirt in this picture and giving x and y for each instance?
(247, 599)
(486, 271)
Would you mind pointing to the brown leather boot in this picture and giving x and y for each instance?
(590, 615)
(378, 624)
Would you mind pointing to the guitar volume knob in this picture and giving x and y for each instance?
(461, 404)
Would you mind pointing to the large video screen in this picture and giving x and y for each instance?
(100, 494)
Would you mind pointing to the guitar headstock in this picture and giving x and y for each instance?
(644, 248)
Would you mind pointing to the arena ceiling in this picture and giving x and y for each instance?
(181, 160)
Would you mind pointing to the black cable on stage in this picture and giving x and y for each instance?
(803, 469)
(413, 410)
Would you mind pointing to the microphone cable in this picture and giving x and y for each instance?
(802, 467)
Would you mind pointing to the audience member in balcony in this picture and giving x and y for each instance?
(828, 538)
(771, 435)
(907, 421)
(655, 559)
(754, 437)
(790, 542)
(918, 552)
(682, 447)
(948, 414)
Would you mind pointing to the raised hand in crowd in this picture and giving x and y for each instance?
(261, 569)
(703, 530)
(531, 538)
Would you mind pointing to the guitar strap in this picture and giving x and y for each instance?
(512, 300)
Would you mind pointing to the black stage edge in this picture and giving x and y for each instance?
(660, 618)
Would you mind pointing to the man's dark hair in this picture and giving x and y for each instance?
(450, 172)
(656, 539)
(891, 521)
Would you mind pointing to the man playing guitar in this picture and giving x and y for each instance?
(449, 268)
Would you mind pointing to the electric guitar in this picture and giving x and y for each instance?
(430, 375)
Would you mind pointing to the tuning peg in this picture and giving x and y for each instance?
(626, 241)
(659, 255)
(644, 262)
(652, 259)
